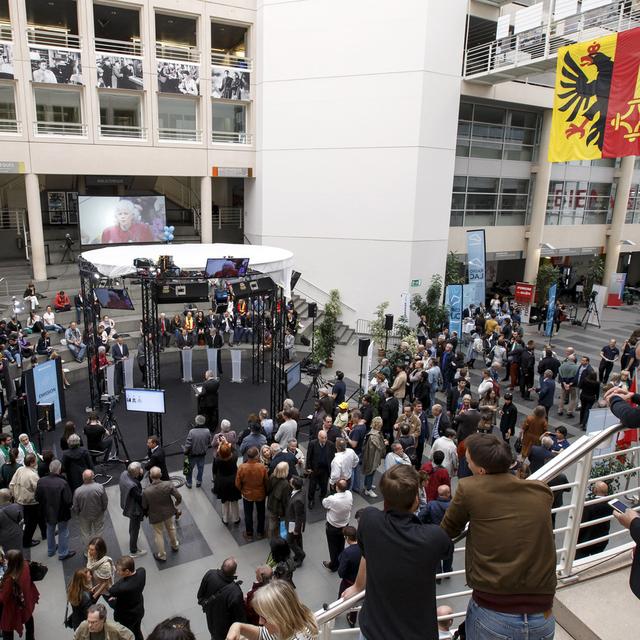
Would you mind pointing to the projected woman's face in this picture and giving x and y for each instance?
(124, 217)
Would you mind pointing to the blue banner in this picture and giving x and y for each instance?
(45, 383)
(472, 294)
(551, 310)
(454, 305)
(476, 260)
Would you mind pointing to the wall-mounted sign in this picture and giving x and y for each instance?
(416, 283)
(182, 78)
(7, 166)
(119, 72)
(232, 172)
(55, 66)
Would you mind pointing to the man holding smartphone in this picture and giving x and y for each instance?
(631, 520)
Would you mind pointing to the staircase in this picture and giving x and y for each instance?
(344, 333)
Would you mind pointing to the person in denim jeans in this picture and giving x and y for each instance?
(196, 445)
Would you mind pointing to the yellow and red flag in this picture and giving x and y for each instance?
(596, 107)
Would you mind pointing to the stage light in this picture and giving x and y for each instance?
(96, 276)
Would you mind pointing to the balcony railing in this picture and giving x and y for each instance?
(231, 137)
(6, 32)
(172, 51)
(120, 47)
(228, 218)
(226, 60)
(180, 135)
(10, 126)
(59, 129)
(52, 37)
(122, 131)
(537, 48)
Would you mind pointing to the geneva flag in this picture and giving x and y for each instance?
(596, 107)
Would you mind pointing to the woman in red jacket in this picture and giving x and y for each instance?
(18, 596)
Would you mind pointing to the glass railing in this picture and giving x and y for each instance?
(6, 32)
(172, 51)
(222, 59)
(10, 126)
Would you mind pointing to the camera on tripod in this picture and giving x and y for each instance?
(108, 402)
(68, 241)
(593, 296)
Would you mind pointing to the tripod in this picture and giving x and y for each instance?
(313, 389)
(68, 251)
(110, 423)
(591, 309)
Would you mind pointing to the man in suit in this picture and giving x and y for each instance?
(583, 369)
(320, 453)
(296, 517)
(595, 512)
(208, 400)
(467, 423)
(547, 390)
(454, 396)
(441, 422)
(119, 352)
(164, 329)
(389, 414)
(156, 456)
(125, 596)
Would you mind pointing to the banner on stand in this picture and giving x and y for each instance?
(212, 361)
(616, 289)
(476, 259)
(551, 310)
(236, 365)
(524, 297)
(454, 305)
(187, 362)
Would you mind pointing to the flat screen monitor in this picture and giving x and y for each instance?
(293, 376)
(227, 267)
(121, 220)
(147, 400)
(114, 298)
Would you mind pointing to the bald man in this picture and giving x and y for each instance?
(444, 626)
(159, 501)
(593, 511)
(89, 506)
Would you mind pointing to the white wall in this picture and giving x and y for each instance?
(356, 140)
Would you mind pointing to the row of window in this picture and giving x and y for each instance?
(579, 202)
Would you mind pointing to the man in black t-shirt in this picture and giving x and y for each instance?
(405, 579)
(98, 438)
(339, 390)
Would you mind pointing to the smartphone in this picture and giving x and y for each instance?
(619, 506)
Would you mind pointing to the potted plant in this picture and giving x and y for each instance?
(325, 334)
(377, 330)
(431, 306)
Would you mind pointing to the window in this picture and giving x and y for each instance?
(120, 115)
(229, 122)
(633, 206)
(8, 123)
(177, 118)
(58, 111)
(579, 202)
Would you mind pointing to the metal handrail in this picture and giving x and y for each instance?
(180, 135)
(174, 51)
(227, 60)
(105, 45)
(322, 298)
(6, 32)
(41, 35)
(231, 137)
(10, 126)
(59, 128)
(228, 217)
(123, 131)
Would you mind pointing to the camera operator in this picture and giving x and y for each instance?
(98, 437)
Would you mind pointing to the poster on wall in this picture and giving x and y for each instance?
(6, 66)
(229, 83)
(55, 66)
(119, 220)
(525, 295)
(119, 72)
(72, 207)
(181, 78)
(57, 207)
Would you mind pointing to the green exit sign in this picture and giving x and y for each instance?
(416, 283)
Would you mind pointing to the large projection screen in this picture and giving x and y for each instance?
(121, 220)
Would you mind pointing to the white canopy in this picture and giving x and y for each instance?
(114, 262)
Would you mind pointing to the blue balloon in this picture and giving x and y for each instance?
(170, 237)
(172, 229)
(166, 229)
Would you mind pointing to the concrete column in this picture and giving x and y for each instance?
(36, 234)
(616, 230)
(206, 219)
(539, 204)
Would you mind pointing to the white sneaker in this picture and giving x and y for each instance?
(371, 493)
(138, 553)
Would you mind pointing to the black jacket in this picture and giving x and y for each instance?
(157, 459)
(550, 363)
(389, 414)
(226, 608)
(634, 578)
(527, 362)
(467, 423)
(209, 396)
(126, 598)
(74, 462)
(54, 496)
(629, 416)
(119, 351)
(284, 456)
(313, 455)
(296, 512)
(509, 418)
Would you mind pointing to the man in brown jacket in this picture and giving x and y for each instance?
(510, 552)
(251, 480)
(158, 504)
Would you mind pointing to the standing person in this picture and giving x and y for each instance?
(349, 560)
(75, 460)
(89, 505)
(79, 596)
(527, 368)
(119, 353)
(220, 597)
(589, 392)
(508, 417)
(224, 469)
(10, 522)
(447, 445)
(278, 491)
(97, 626)
(567, 377)
(251, 481)
(343, 464)
(54, 496)
(158, 502)
(125, 596)
(23, 489)
(288, 430)
(195, 447)
(433, 514)
(339, 390)
(338, 508)
(608, 356)
(131, 504)
(389, 413)
(296, 518)
(546, 391)
(417, 552)
(373, 452)
(513, 586)
(533, 428)
(18, 596)
(441, 422)
(208, 399)
(320, 454)
(157, 457)
(264, 574)
(595, 511)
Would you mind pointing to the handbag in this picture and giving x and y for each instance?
(68, 618)
(38, 571)
(186, 465)
(517, 445)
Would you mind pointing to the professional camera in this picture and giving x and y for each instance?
(108, 402)
(593, 296)
(68, 241)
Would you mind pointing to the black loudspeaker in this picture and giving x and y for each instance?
(305, 341)
(312, 309)
(363, 346)
(295, 276)
(388, 321)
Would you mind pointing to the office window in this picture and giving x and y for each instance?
(229, 122)
(120, 115)
(58, 111)
(8, 123)
(633, 206)
(177, 118)
(579, 202)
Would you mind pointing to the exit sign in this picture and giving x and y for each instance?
(416, 283)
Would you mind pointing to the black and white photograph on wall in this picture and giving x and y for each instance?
(55, 66)
(178, 77)
(6, 61)
(229, 83)
(57, 207)
(119, 72)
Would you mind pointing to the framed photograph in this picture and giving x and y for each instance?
(230, 83)
(55, 66)
(6, 65)
(119, 72)
(181, 78)
(57, 207)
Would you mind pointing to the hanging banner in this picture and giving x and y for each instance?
(476, 261)
(616, 289)
(524, 296)
(236, 365)
(472, 294)
(212, 361)
(453, 300)
(111, 379)
(186, 360)
(128, 373)
(45, 382)
(596, 109)
(551, 310)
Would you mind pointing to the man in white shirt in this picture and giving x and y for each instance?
(447, 445)
(343, 463)
(396, 456)
(338, 508)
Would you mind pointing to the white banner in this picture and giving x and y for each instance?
(212, 361)
(128, 373)
(236, 365)
(187, 359)
(601, 298)
(111, 379)
(367, 372)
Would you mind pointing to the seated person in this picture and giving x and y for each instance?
(61, 302)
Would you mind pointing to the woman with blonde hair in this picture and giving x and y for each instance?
(373, 451)
(283, 615)
(278, 492)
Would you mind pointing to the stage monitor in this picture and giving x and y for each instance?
(181, 293)
(227, 267)
(113, 298)
(147, 400)
(293, 376)
(121, 220)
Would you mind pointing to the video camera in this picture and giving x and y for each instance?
(68, 241)
(108, 402)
